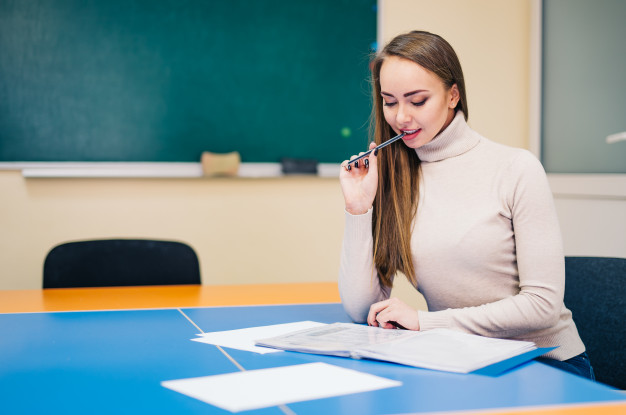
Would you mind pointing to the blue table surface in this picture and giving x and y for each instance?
(114, 361)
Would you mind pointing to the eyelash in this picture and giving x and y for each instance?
(417, 104)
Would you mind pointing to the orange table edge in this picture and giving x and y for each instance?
(166, 296)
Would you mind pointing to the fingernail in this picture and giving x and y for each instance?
(349, 167)
(366, 163)
(376, 152)
(356, 164)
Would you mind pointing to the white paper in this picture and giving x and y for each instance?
(254, 389)
(243, 339)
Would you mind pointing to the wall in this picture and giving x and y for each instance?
(491, 39)
(244, 230)
(274, 230)
(591, 207)
(498, 45)
(592, 213)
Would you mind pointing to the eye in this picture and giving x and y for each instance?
(419, 104)
(389, 104)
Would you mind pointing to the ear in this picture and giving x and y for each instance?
(454, 96)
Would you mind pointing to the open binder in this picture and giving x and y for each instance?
(438, 349)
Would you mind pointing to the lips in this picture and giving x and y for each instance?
(409, 134)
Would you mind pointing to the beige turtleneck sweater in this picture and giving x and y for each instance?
(486, 246)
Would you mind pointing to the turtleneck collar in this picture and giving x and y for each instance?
(455, 140)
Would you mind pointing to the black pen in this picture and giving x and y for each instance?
(397, 325)
(385, 144)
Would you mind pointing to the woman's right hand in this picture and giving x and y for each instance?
(359, 183)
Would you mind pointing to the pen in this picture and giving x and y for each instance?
(397, 325)
(385, 144)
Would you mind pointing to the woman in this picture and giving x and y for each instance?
(469, 222)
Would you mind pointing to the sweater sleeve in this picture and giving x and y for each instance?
(540, 263)
(359, 286)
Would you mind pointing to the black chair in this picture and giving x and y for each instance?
(595, 292)
(120, 262)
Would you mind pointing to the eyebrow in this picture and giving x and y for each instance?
(408, 94)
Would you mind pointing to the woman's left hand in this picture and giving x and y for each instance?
(393, 313)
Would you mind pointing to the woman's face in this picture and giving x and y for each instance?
(415, 101)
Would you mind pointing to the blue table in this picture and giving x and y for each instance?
(112, 362)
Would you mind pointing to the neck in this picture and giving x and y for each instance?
(455, 139)
(449, 118)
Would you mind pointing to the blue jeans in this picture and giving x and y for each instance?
(578, 365)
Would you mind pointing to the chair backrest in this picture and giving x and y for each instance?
(120, 262)
(595, 292)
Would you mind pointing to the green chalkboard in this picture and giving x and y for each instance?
(165, 80)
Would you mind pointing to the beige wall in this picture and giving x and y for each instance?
(492, 41)
(265, 230)
(244, 230)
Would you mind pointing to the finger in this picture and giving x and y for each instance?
(387, 326)
(383, 320)
(371, 318)
(356, 156)
(364, 162)
(351, 164)
(372, 160)
(361, 162)
(389, 316)
(374, 310)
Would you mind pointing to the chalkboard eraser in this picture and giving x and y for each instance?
(215, 164)
(298, 166)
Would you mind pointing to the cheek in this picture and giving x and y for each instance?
(435, 112)
(389, 116)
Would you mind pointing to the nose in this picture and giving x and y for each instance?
(403, 116)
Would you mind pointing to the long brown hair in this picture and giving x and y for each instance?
(396, 200)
